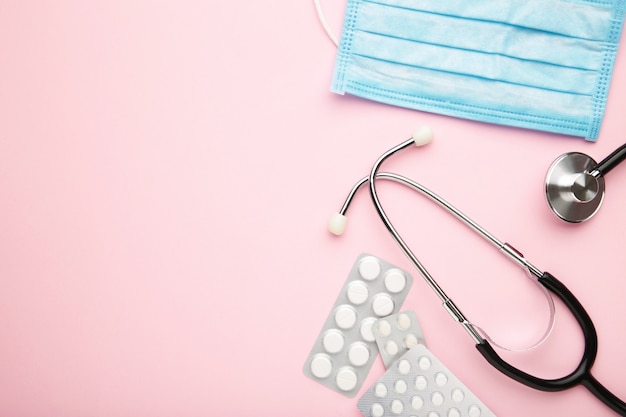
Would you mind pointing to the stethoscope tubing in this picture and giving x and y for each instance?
(581, 375)
(611, 161)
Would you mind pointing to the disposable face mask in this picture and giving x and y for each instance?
(538, 64)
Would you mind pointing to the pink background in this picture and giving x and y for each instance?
(166, 172)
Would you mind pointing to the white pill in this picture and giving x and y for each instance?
(397, 407)
(421, 382)
(377, 410)
(345, 317)
(424, 363)
(433, 414)
(437, 398)
(417, 402)
(403, 321)
(357, 292)
(410, 340)
(358, 354)
(391, 348)
(366, 329)
(395, 281)
(380, 390)
(333, 341)
(474, 411)
(384, 328)
(321, 366)
(441, 379)
(369, 268)
(458, 395)
(404, 366)
(453, 412)
(382, 305)
(400, 386)
(346, 379)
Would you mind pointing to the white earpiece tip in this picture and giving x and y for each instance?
(337, 224)
(423, 135)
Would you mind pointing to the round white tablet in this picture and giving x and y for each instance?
(453, 412)
(391, 348)
(357, 292)
(333, 341)
(382, 305)
(395, 281)
(424, 363)
(384, 328)
(474, 411)
(397, 407)
(366, 329)
(404, 366)
(321, 366)
(417, 402)
(433, 414)
(441, 379)
(380, 390)
(345, 317)
(400, 386)
(437, 398)
(458, 395)
(410, 340)
(421, 382)
(377, 410)
(358, 354)
(403, 321)
(346, 379)
(369, 268)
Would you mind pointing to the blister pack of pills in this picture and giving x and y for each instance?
(396, 334)
(418, 384)
(345, 349)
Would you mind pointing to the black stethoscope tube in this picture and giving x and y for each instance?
(611, 161)
(588, 357)
(582, 374)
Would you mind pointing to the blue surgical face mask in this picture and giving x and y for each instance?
(538, 64)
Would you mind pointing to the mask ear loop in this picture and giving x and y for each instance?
(548, 331)
(324, 22)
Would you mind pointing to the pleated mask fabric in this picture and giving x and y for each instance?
(537, 64)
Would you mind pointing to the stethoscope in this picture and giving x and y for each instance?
(581, 375)
(575, 184)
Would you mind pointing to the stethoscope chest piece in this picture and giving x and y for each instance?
(574, 188)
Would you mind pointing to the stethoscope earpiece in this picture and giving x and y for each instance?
(423, 135)
(575, 184)
(337, 224)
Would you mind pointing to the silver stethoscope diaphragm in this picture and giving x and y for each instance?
(575, 184)
(574, 193)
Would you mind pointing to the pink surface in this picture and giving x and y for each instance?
(166, 172)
